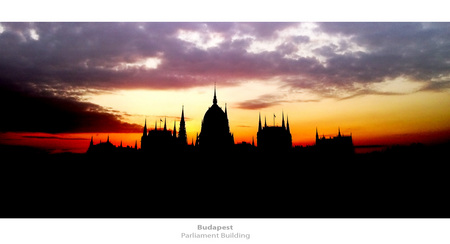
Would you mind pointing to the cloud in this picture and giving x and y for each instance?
(269, 100)
(330, 59)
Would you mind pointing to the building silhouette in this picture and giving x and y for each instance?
(274, 138)
(215, 132)
(162, 139)
(340, 144)
(108, 148)
(215, 136)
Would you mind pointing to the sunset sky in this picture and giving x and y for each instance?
(61, 83)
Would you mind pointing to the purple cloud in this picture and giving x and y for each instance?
(66, 58)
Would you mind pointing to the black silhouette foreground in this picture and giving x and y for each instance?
(409, 181)
(216, 178)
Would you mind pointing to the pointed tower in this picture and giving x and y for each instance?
(165, 127)
(259, 124)
(317, 135)
(144, 136)
(287, 124)
(156, 125)
(339, 131)
(265, 121)
(175, 130)
(144, 133)
(182, 137)
(107, 140)
(282, 120)
(92, 142)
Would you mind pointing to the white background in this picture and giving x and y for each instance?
(286, 231)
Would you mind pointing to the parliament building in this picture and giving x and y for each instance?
(215, 136)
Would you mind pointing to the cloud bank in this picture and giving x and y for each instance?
(341, 60)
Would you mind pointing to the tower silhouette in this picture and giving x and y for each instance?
(182, 131)
(274, 138)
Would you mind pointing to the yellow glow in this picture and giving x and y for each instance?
(369, 118)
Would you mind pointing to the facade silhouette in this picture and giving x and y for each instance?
(108, 148)
(215, 136)
(162, 139)
(341, 144)
(215, 133)
(274, 138)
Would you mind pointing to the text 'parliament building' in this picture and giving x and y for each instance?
(215, 136)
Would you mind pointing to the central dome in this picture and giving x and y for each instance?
(215, 133)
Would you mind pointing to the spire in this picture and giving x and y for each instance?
(287, 124)
(174, 129)
(156, 125)
(282, 119)
(144, 133)
(259, 125)
(339, 131)
(317, 134)
(120, 143)
(92, 142)
(165, 127)
(182, 115)
(265, 121)
(182, 133)
(215, 98)
(107, 139)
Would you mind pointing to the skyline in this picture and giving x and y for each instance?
(386, 83)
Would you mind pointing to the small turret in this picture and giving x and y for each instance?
(165, 127)
(174, 129)
(287, 124)
(259, 124)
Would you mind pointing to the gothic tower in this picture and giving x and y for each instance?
(182, 137)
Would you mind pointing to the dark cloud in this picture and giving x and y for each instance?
(26, 110)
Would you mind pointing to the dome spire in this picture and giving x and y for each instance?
(215, 98)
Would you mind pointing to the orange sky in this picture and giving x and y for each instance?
(371, 119)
